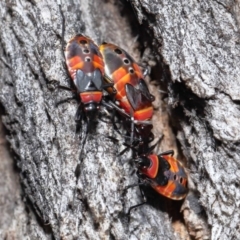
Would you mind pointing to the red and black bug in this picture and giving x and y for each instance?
(86, 67)
(164, 173)
(132, 94)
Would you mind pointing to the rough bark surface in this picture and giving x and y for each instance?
(54, 203)
(198, 42)
(197, 47)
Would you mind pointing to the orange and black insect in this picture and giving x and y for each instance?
(164, 173)
(86, 67)
(132, 94)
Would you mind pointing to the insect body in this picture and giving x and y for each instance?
(132, 93)
(164, 173)
(86, 67)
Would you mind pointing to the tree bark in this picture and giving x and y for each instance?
(196, 45)
(41, 134)
(199, 48)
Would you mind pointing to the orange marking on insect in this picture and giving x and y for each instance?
(88, 97)
(75, 63)
(120, 87)
(152, 171)
(119, 75)
(98, 63)
(173, 163)
(143, 114)
(168, 190)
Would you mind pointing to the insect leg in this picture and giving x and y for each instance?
(65, 100)
(66, 88)
(139, 184)
(169, 152)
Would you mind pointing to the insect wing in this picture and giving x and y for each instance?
(97, 79)
(145, 91)
(136, 98)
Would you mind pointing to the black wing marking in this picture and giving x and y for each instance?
(144, 89)
(98, 79)
(164, 166)
(136, 98)
(91, 82)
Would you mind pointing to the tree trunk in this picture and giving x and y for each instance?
(198, 42)
(67, 194)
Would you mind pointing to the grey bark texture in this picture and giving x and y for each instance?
(196, 45)
(199, 43)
